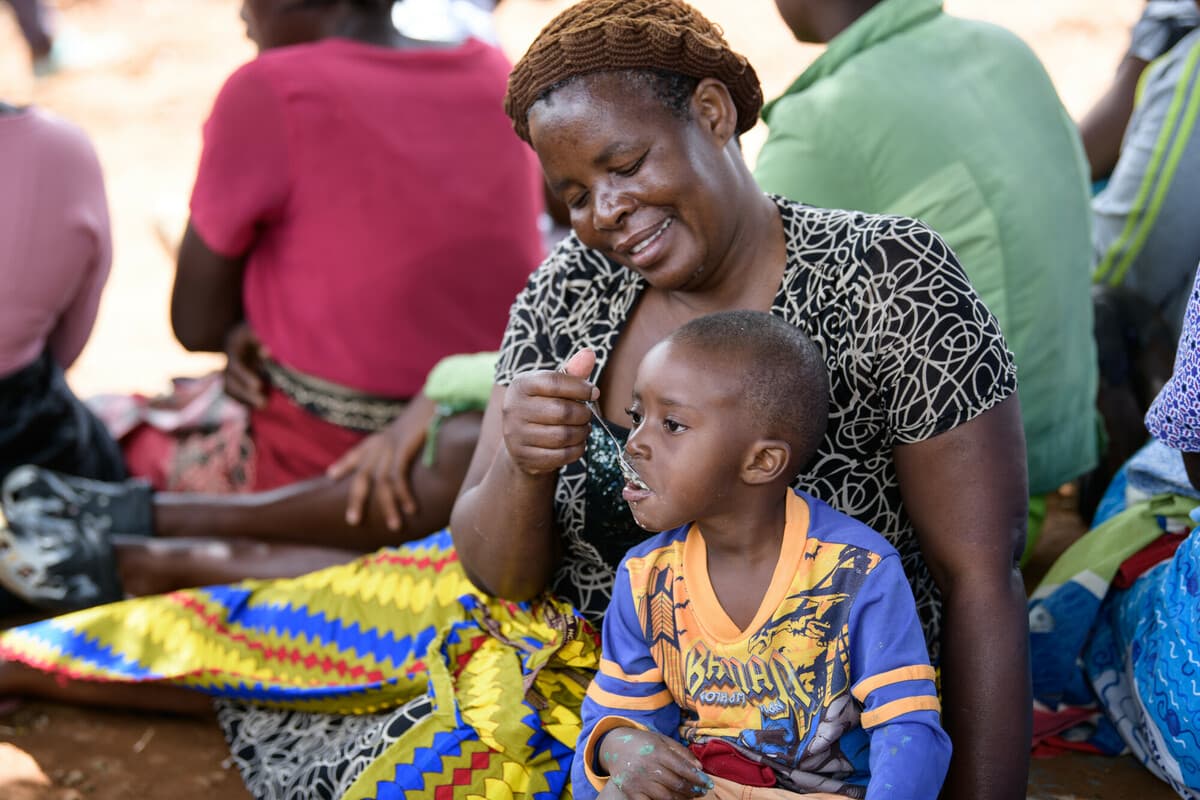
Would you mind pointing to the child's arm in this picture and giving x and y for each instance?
(629, 704)
(894, 682)
(646, 764)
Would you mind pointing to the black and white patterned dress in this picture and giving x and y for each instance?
(911, 350)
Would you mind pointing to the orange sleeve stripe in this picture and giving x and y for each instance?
(919, 672)
(622, 702)
(613, 670)
(898, 708)
(602, 727)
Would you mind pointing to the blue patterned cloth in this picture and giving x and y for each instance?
(1156, 469)
(1174, 417)
(1132, 653)
(1141, 663)
(1123, 658)
(1128, 654)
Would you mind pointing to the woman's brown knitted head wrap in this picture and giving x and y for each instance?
(607, 35)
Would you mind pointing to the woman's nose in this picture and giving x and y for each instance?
(610, 208)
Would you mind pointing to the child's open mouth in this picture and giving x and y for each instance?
(635, 490)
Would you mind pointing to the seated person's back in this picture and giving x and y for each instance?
(955, 122)
(389, 212)
(55, 255)
(362, 209)
(1146, 237)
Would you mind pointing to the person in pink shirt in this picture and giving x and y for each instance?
(362, 209)
(55, 255)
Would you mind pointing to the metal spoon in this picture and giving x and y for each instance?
(627, 471)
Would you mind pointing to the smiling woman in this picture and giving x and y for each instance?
(924, 444)
(668, 226)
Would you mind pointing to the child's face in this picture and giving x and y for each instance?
(690, 437)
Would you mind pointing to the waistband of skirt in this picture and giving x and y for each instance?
(332, 402)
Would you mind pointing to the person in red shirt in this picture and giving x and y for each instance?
(361, 210)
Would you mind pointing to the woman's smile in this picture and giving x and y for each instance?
(646, 249)
(654, 250)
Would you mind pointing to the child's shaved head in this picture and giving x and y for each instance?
(784, 380)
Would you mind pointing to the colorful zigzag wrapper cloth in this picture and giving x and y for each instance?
(506, 679)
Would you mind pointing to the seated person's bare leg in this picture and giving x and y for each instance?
(314, 512)
(156, 566)
(296, 529)
(18, 679)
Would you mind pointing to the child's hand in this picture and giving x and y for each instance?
(648, 766)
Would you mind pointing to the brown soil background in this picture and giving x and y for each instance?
(157, 66)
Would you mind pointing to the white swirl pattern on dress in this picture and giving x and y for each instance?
(911, 349)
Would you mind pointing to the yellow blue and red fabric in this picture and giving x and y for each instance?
(506, 680)
(830, 685)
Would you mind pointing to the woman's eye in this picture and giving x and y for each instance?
(635, 416)
(631, 169)
(673, 427)
(577, 202)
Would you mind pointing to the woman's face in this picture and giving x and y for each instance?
(647, 189)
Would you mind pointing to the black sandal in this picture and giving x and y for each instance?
(126, 507)
(55, 536)
(57, 564)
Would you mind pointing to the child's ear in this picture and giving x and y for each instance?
(766, 462)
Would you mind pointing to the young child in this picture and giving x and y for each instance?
(765, 645)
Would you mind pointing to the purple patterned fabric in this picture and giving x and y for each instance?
(1174, 417)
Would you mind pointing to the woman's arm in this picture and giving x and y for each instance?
(966, 493)
(1103, 127)
(503, 521)
(243, 183)
(75, 323)
(206, 301)
(90, 242)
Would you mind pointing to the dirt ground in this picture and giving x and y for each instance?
(148, 74)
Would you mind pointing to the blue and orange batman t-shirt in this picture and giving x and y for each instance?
(829, 686)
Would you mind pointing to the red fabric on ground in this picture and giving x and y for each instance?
(283, 444)
(1149, 556)
(720, 758)
(1048, 725)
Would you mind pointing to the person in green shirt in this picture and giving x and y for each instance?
(914, 112)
